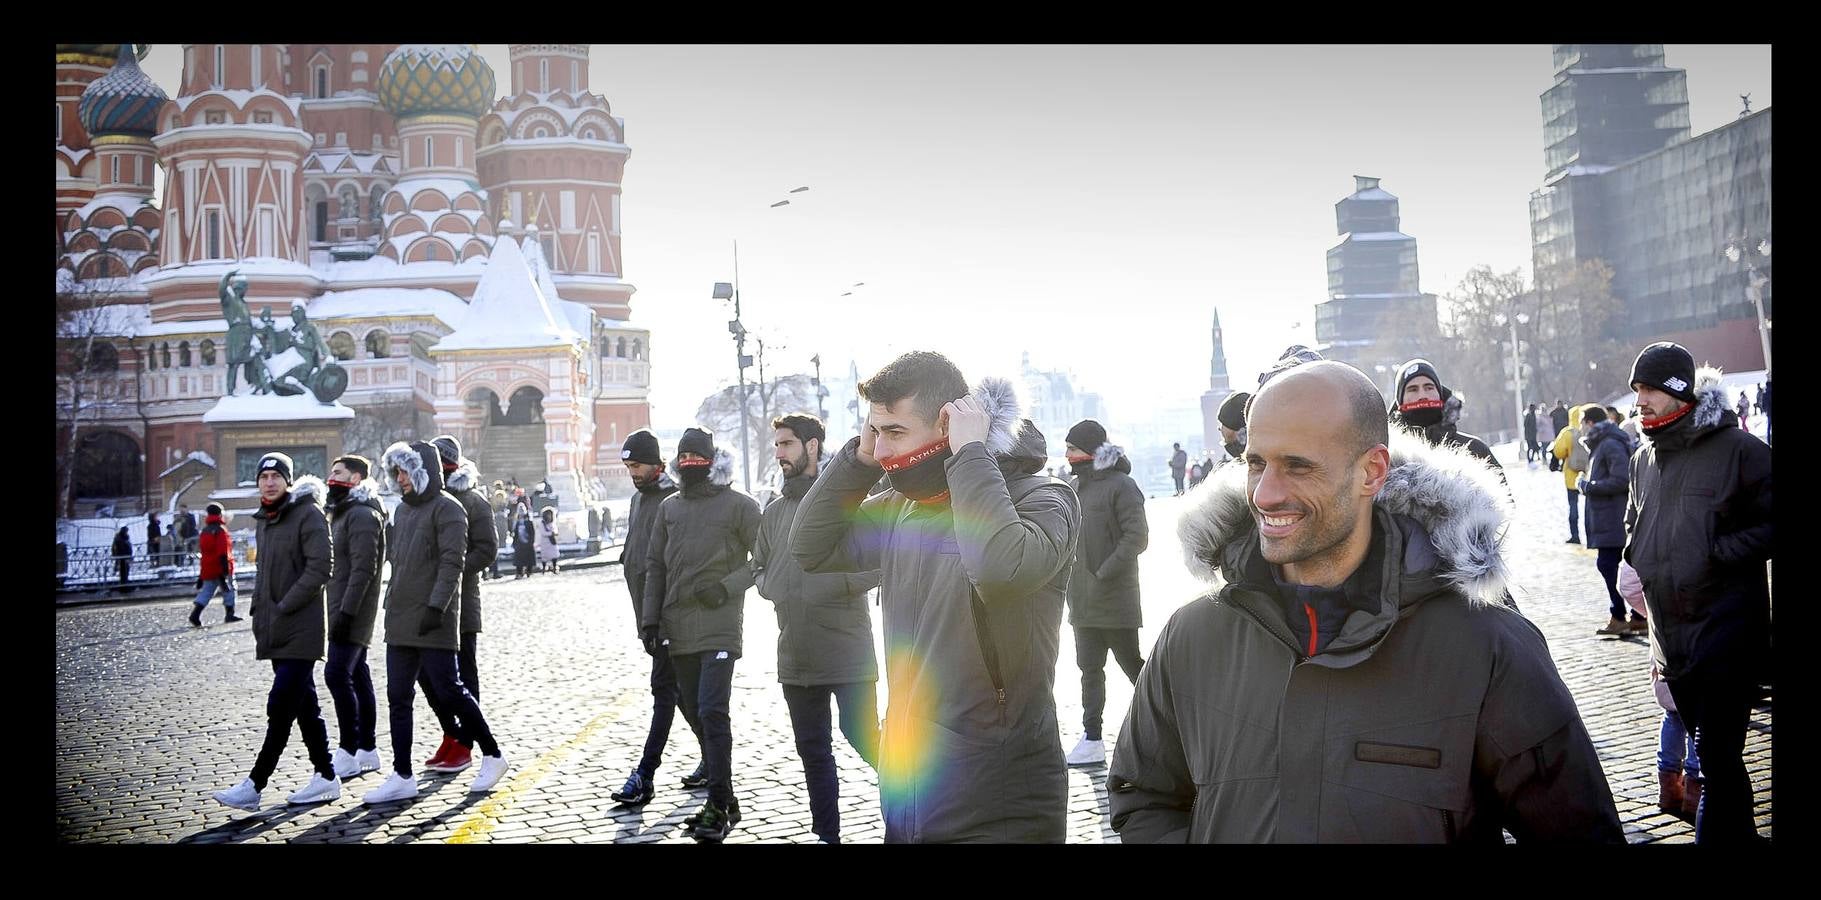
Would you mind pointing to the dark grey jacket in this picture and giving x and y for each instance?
(703, 535)
(289, 621)
(1103, 589)
(483, 544)
(957, 763)
(1700, 526)
(1436, 717)
(1608, 484)
(825, 634)
(358, 527)
(429, 544)
(638, 539)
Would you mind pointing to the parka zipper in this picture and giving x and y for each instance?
(1448, 824)
(1287, 639)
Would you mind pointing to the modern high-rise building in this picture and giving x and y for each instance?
(1376, 317)
(1626, 184)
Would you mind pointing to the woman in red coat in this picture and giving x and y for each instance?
(216, 547)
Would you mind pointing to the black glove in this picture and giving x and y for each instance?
(432, 620)
(199, 582)
(224, 567)
(712, 595)
(649, 636)
(344, 626)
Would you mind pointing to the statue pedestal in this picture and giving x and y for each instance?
(249, 426)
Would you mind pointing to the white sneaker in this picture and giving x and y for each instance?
(1088, 753)
(345, 764)
(493, 768)
(319, 790)
(241, 796)
(397, 787)
(368, 760)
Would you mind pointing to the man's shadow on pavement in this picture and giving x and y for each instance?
(632, 820)
(246, 827)
(356, 823)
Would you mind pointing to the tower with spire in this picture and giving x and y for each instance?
(113, 235)
(1218, 390)
(1376, 315)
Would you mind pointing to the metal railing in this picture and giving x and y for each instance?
(98, 568)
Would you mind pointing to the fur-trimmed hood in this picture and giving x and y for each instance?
(1711, 411)
(1455, 498)
(464, 478)
(1107, 455)
(720, 472)
(304, 489)
(368, 489)
(999, 400)
(421, 461)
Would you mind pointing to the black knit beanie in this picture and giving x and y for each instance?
(1233, 410)
(448, 449)
(275, 462)
(1087, 435)
(642, 447)
(1668, 367)
(1413, 369)
(696, 441)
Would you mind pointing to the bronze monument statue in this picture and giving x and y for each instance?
(301, 351)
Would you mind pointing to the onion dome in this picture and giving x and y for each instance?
(124, 101)
(106, 51)
(422, 79)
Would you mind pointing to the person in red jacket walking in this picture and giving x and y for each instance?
(216, 547)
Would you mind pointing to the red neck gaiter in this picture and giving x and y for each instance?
(920, 474)
(1652, 426)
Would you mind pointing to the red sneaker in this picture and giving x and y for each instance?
(441, 754)
(458, 759)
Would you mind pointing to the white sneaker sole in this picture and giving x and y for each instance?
(232, 805)
(482, 787)
(371, 800)
(295, 800)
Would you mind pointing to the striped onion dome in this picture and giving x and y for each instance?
(124, 101)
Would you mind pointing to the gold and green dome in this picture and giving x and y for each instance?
(109, 52)
(426, 79)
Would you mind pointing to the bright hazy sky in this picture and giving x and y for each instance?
(1089, 204)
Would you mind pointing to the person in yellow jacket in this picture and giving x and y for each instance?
(1574, 457)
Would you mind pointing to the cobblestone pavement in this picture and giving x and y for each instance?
(153, 716)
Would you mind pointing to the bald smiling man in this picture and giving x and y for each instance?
(1356, 676)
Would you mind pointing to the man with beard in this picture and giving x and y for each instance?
(1103, 588)
(429, 544)
(357, 529)
(973, 548)
(645, 464)
(1699, 520)
(825, 635)
(697, 569)
(1356, 677)
(288, 627)
(1425, 405)
(462, 481)
(1231, 420)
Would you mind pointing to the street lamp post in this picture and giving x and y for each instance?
(821, 392)
(1517, 365)
(1754, 286)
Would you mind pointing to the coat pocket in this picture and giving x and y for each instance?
(1400, 784)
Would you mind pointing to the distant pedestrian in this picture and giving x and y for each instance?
(1700, 537)
(1558, 420)
(502, 526)
(1678, 760)
(1744, 411)
(1760, 404)
(1606, 484)
(524, 542)
(290, 627)
(1103, 598)
(1530, 449)
(1179, 463)
(217, 550)
(1194, 475)
(547, 553)
(153, 541)
(123, 553)
(186, 532)
(1569, 451)
(1766, 404)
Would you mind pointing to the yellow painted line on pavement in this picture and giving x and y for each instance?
(487, 814)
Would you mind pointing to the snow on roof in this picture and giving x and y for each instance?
(273, 408)
(379, 268)
(252, 266)
(450, 188)
(125, 202)
(580, 317)
(569, 114)
(281, 321)
(1372, 194)
(240, 98)
(1619, 70)
(1595, 169)
(76, 156)
(533, 249)
(1380, 236)
(195, 456)
(509, 309)
(371, 302)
